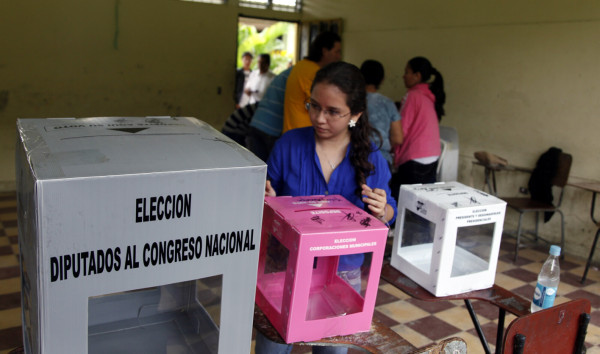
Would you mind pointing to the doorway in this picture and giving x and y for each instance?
(262, 36)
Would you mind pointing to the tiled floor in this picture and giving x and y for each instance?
(419, 322)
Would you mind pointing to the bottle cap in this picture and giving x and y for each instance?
(555, 250)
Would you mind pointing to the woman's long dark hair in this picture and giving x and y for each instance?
(350, 81)
(423, 66)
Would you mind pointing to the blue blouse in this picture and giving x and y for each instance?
(294, 169)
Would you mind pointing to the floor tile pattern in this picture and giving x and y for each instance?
(421, 323)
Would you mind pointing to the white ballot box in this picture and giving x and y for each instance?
(447, 237)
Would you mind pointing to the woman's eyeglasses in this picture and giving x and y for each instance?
(315, 110)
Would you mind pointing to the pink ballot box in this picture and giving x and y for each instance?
(319, 266)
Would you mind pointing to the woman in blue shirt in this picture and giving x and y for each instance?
(333, 156)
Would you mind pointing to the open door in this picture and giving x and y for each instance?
(264, 36)
(287, 42)
(310, 29)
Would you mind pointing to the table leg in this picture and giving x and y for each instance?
(589, 261)
(500, 331)
(484, 343)
(488, 182)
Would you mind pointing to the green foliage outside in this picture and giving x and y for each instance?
(269, 41)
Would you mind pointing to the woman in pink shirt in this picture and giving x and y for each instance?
(416, 156)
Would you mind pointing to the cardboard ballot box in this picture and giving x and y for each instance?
(136, 235)
(319, 267)
(447, 237)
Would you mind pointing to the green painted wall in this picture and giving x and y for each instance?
(71, 58)
(520, 76)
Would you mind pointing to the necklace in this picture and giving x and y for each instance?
(332, 165)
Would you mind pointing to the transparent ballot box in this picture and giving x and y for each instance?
(319, 266)
(331, 292)
(447, 237)
(175, 318)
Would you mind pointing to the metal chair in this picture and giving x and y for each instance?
(526, 205)
(448, 164)
(444, 150)
(558, 329)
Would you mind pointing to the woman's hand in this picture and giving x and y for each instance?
(376, 201)
(269, 191)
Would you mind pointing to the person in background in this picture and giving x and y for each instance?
(383, 113)
(241, 75)
(258, 81)
(267, 123)
(421, 110)
(326, 48)
(237, 126)
(334, 155)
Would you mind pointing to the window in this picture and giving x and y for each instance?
(218, 2)
(278, 5)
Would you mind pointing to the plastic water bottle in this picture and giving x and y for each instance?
(547, 283)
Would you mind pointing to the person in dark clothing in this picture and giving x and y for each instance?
(540, 182)
(238, 124)
(241, 76)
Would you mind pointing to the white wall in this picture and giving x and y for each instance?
(520, 77)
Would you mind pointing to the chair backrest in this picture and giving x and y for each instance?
(552, 170)
(563, 169)
(559, 329)
(444, 147)
(562, 174)
(448, 165)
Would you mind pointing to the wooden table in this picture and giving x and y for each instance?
(380, 339)
(490, 173)
(504, 299)
(594, 187)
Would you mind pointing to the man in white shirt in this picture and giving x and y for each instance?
(258, 81)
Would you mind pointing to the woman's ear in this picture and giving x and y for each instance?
(356, 117)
